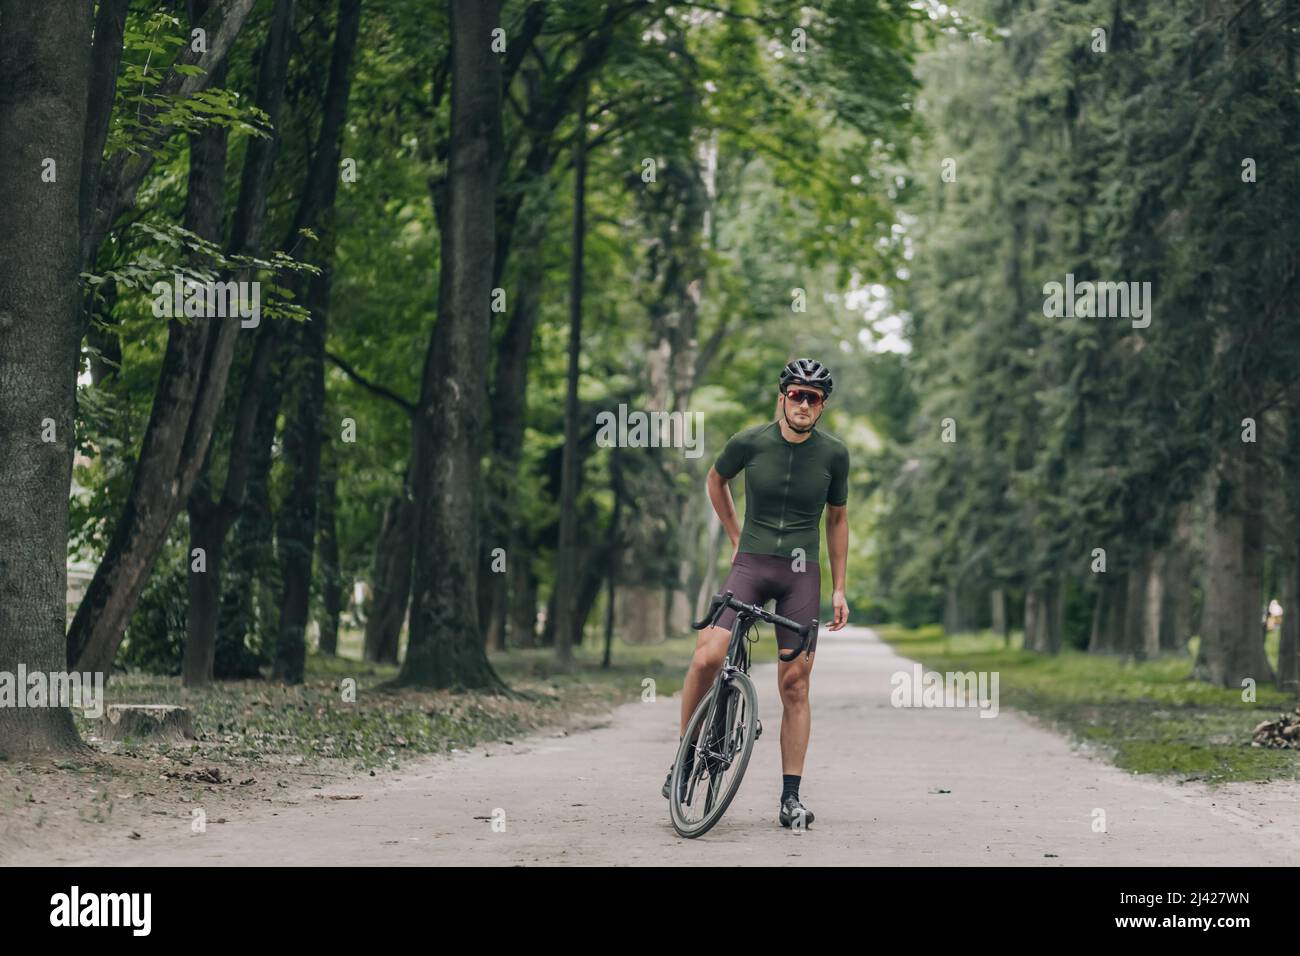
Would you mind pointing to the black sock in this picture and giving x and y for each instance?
(790, 786)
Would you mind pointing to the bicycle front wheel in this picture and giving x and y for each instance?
(712, 759)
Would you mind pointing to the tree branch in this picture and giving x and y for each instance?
(373, 388)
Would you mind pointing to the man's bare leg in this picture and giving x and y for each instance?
(796, 716)
(710, 651)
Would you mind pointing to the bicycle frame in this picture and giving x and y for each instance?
(736, 659)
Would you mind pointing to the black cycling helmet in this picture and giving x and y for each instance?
(806, 371)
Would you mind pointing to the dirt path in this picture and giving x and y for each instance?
(1017, 794)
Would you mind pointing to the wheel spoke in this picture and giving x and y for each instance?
(719, 752)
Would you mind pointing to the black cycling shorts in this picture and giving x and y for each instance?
(759, 578)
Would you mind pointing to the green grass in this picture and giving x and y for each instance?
(1145, 716)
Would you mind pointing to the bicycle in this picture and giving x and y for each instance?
(730, 712)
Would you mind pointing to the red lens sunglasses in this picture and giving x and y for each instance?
(799, 395)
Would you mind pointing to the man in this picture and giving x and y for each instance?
(791, 472)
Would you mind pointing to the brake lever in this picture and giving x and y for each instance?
(715, 611)
(807, 652)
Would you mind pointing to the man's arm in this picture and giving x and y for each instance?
(720, 498)
(837, 541)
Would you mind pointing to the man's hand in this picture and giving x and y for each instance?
(841, 610)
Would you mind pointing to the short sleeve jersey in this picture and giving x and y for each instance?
(787, 486)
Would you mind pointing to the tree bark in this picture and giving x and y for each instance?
(246, 632)
(709, 580)
(1032, 613)
(1153, 610)
(391, 580)
(548, 105)
(296, 530)
(951, 610)
(1056, 620)
(1288, 647)
(1232, 647)
(523, 603)
(207, 531)
(331, 587)
(1176, 616)
(1099, 610)
(566, 579)
(215, 518)
(1135, 604)
(998, 603)
(1117, 614)
(186, 401)
(445, 648)
(45, 69)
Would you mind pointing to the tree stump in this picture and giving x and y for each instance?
(152, 721)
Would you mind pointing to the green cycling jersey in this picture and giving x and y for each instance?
(787, 485)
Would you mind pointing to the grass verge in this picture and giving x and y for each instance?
(1144, 716)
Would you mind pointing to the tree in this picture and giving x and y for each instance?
(446, 647)
(45, 70)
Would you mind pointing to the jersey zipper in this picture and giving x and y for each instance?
(785, 497)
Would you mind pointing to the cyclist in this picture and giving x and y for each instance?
(791, 471)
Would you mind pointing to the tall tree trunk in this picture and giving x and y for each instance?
(391, 580)
(296, 522)
(614, 545)
(296, 529)
(1135, 604)
(523, 603)
(331, 587)
(1056, 620)
(187, 400)
(1153, 612)
(548, 626)
(213, 519)
(522, 201)
(245, 621)
(1232, 648)
(1116, 615)
(1096, 635)
(203, 610)
(509, 404)
(998, 607)
(445, 648)
(589, 582)
(951, 610)
(1176, 615)
(1032, 614)
(709, 581)
(566, 578)
(1288, 646)
(45, 69)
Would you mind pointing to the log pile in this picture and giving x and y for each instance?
(1283, 732)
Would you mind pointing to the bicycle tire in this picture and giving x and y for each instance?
(742, 689)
